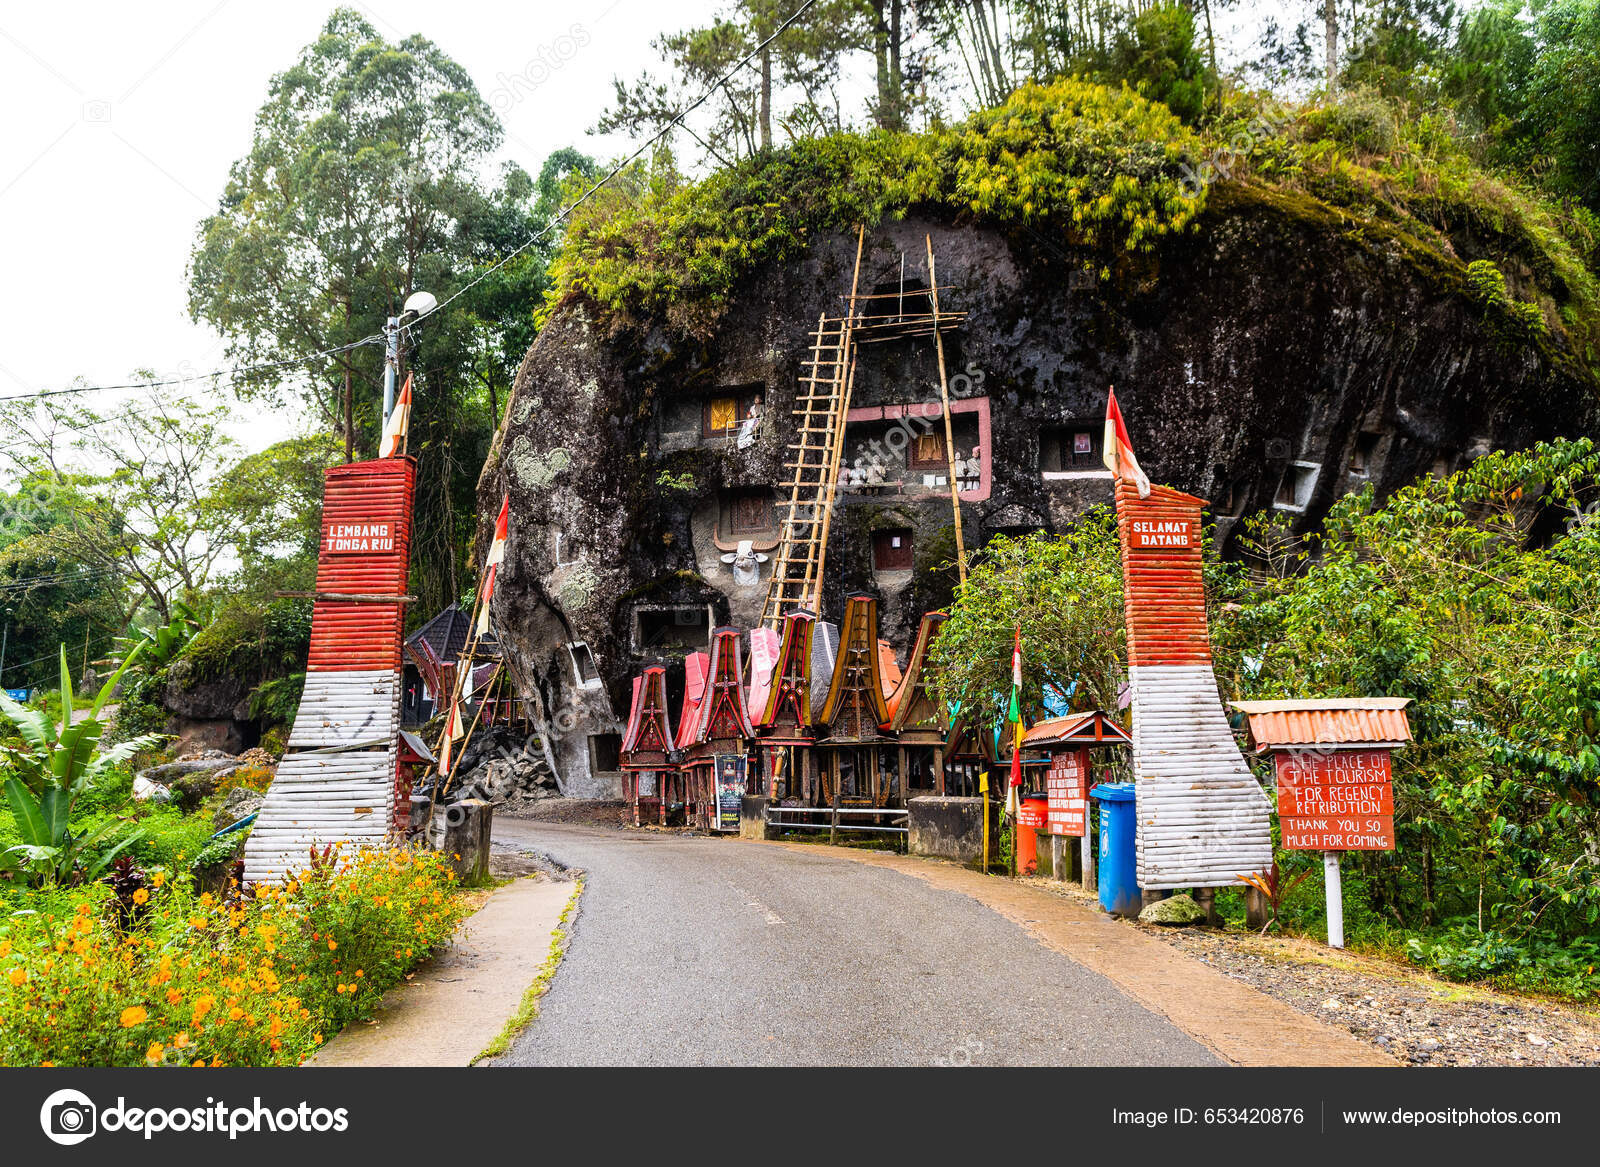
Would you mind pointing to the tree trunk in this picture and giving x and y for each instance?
(884, 113)
(896, 79)
(766, 99)
(1330, 18)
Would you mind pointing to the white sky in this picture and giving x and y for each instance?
(122, 120)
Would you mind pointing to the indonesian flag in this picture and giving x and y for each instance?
(394, 430)
(1118, 449)
(447, 740)
(1015, 714)
(491, 563)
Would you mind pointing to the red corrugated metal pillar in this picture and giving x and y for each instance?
(1203, 820)
(336, 783)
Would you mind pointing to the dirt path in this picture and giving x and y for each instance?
(1238, 1022)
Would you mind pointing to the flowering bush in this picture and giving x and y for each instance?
(258, 977)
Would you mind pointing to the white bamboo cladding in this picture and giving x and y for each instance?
(346, 709)
(335, 795)
(1202, 818)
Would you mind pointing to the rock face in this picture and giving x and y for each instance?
(1177, 911)
(1273, 360)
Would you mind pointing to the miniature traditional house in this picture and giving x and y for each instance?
(783, 723)
(917, 718)
(968, 751)
(719, 750)
(682, 783)
(855, 761)
(647, 748)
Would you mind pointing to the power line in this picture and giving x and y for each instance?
(236, 370)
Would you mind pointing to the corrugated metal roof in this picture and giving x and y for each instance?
(1074, 727)
(1336, 721)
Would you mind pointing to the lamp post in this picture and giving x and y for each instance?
(418, 304)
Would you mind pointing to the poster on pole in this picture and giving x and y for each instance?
(1335, 800)
(1067, 789)
(730, 778)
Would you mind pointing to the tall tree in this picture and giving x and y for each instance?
(362, 184)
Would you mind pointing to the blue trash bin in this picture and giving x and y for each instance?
(1119, 878)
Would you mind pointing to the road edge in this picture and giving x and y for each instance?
(1235, 1021)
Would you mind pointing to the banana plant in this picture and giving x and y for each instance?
(55, 767)
(160, 645)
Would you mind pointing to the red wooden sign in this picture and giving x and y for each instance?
(1340, 800)
(358, 538)
(1067, 788)
(1162, 533)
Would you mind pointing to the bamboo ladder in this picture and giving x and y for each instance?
(822, 406)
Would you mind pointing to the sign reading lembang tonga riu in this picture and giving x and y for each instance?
(730, 772)
(1337, 800)
(358, 538)
(1066, 787)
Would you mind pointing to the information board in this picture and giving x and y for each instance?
(1067, 788)
(730, 774)
(1338, 800)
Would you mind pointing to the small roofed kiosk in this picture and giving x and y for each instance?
(717, 757)
(647, 747)
(918, 719)
(1067, 744)
(1331, 761)
(678, 786)
(852, 727)
(783, 725)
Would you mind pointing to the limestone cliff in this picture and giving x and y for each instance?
(1281, 354)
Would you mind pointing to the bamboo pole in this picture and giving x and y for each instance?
(842, 410)
(949, 435)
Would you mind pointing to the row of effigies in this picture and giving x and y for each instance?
(815, 715)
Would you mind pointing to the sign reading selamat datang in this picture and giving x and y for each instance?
(1340, 800)
(1178, 533)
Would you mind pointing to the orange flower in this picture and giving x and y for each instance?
(133, 1015)
(202, 1006)
(153, 1054)
(18, 976)
(141, 896)
(332, 944)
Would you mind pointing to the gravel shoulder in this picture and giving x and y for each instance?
(1417, 1018)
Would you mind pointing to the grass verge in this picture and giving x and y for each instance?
(528, 1010)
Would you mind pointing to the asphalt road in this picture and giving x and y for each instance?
(710, 951)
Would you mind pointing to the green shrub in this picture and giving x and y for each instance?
(251, 642)
(1101, 166)
(255, 980)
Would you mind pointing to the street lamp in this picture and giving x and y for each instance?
(417, 304)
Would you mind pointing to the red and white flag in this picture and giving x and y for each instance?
(1118, 449)
(491, 563)
(394, 430)
(447, 740)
